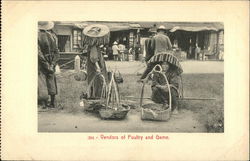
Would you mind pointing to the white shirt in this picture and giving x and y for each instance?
(115, 49)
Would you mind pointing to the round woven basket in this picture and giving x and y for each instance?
(93, 106)
(118, 114)
(148, 114)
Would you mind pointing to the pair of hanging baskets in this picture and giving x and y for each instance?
(108, 106)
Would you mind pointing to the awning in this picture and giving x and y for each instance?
(118, 28)
(76, 25)
(81, 25)
(135, 25)
(193, 29)
(113, 26)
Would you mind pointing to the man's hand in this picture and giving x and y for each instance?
(51, 69)
(161, 86)
(98, 70)
(142, 81)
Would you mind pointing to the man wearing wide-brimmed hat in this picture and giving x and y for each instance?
(172, 70)
(160, 43)
(48, 56)
(94, 36)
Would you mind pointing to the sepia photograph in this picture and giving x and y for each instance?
(124, 80)
(116, 76)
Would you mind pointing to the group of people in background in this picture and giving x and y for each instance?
(119, 52)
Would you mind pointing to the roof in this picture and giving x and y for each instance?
(193, 29)
(172, 26)
(189, 26)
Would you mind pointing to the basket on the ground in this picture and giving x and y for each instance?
(93, 105)
(111, 113)
(149, 114)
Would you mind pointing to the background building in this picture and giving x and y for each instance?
(209, 36)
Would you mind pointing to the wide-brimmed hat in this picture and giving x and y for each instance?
(96, 30)
(96, 34)
(163, 28)
(167, 57)
(115, 43)
(45, 25)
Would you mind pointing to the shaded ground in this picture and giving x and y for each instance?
(194, 116)
(186, 121)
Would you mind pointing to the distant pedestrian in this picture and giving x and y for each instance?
(197, 51)
(122, 50)
(137, 51)
(115, 49)
(221, 53)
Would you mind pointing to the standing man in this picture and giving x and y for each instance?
(197, 51)
(122, 50)
(94, 36)
(115, 49)
(159, 44)
(48, 56)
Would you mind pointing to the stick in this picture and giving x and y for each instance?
(66, 63)
(142, 92)
(195, 98)
(185, 98)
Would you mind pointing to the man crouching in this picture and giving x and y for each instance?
(160, 92)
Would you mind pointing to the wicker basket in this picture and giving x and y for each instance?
(148, 114)
(114, 114)
(93, 105)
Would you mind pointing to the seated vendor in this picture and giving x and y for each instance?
(160, 92)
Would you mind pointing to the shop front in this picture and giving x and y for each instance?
(197, 42)
(69, 36)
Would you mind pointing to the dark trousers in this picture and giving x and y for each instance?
(161, 96)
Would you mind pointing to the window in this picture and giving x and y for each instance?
(77, 38)
(64, 43)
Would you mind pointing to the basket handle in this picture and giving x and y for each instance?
(142, 93)
(169, 91)
(160, 71)
(91, 83)
(112, 82)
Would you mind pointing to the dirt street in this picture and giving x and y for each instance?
(82, 122)
(185, 121)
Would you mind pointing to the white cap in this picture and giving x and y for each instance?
(161, 28)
